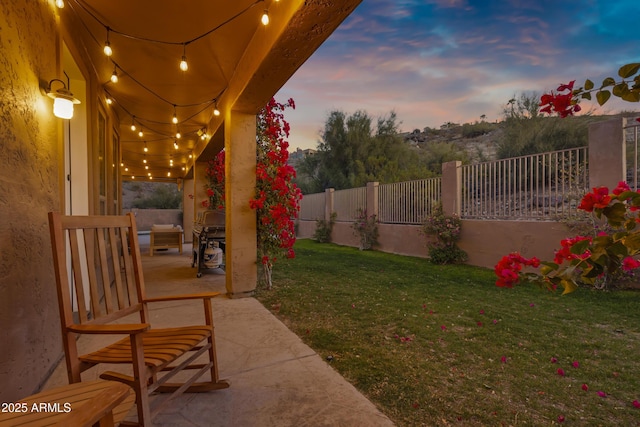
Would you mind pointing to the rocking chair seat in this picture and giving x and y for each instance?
(161, 346)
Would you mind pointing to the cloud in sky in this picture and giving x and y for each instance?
(437, 61)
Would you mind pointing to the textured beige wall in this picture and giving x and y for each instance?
(30, 147)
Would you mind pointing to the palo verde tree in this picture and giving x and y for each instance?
(354, 151)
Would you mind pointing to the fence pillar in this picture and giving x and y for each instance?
(451, 187)
(372, 198)
(328, 203)
(607, 153)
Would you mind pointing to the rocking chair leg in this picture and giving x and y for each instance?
(140, 386)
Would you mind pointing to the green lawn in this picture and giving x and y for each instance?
(439, 345)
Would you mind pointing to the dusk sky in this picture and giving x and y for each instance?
(438, 61)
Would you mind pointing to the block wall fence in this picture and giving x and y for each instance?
(486, 241)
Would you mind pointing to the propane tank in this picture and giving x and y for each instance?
(212, 256)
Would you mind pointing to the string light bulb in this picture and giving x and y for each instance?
(168, 173)
(265, 17)
(175, 145)
(145, 147)
(144, 160)
(133, 123)
(140, 133)
(109, 101)
(60, 4)
(183, 64)
(107, 45)
(216, 112)
(178, 135)
(175, 116)
(114, 76)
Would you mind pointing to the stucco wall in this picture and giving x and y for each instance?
(29, 188)
(484, 241)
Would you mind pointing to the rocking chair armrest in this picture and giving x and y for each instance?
(200, 295)
(128, 328)
(93, 410)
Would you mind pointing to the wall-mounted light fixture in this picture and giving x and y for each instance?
(63, 100)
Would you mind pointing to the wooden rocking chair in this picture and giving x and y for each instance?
(103, 287)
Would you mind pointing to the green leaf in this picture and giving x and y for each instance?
(618, 249)
(547, 267)
(620, 89)
(580, 247)
(586, 95)
(569, 286)
(603, 96)
(615, 214)
(632, 241)
(588, 85)
(609, 81)
(628, 70)
(631, 96)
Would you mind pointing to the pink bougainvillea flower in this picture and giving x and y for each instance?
(576, 364)
(481, 311)
(585, 387)
(444, 328)
(602, 394)
(479, 323)
(635, 404)
(565, 252)
(629, 264)
(560, 372)
(353, 306)
(509, 266)
(495, 321)
(554, 360)
(532, 305)
(560, 419)
(622, 187)
(503, 359)
(599, 198)
(415, 405)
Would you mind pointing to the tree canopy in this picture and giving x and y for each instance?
(354, 151)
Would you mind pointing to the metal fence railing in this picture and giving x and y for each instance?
(312, 207)
(632, 139)
(538, 186)
(408, 202)
(348, 203)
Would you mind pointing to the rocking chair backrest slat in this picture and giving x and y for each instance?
(104, 252)
(120, 295)
(106, 267)
(90, 264)
(77, 275)
(133, 279)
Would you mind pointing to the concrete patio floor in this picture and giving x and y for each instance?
(276, 380)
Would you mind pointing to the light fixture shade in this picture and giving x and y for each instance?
(63, 100)
(62, 108)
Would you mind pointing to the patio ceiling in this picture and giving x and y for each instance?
(234, 62)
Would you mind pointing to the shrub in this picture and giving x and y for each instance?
(446, 229)
(324, 229)
(366, 228)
